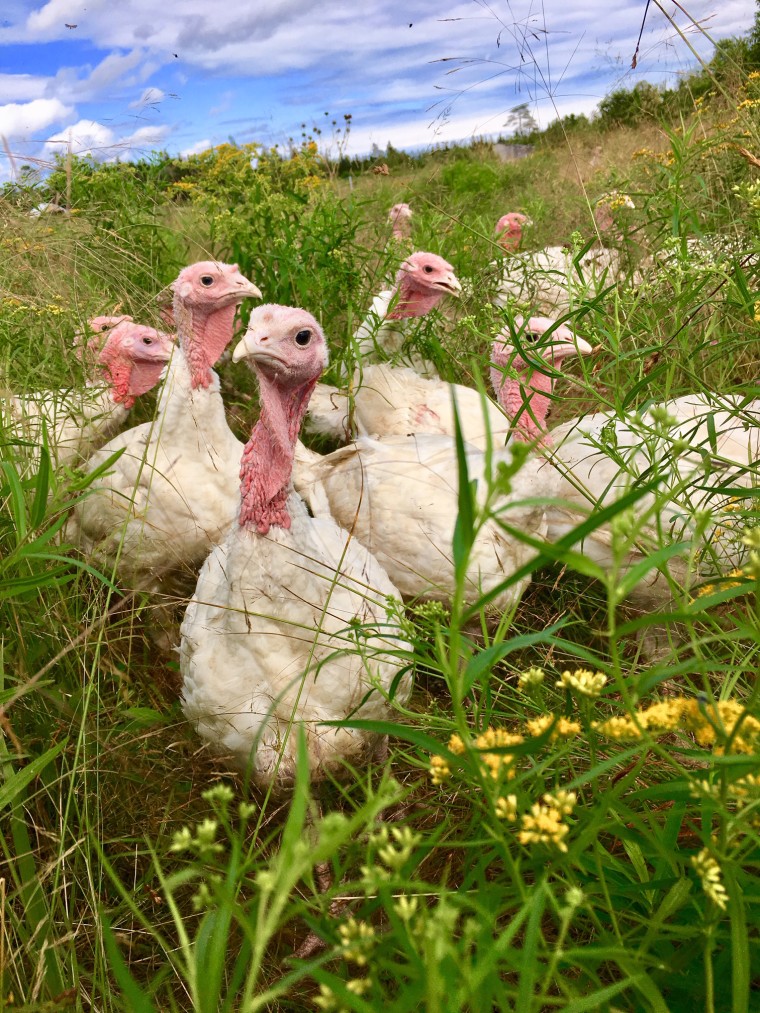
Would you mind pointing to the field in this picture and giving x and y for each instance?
(527, 845)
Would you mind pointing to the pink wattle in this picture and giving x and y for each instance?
(267, 462)
(210, 335)
(119, 373)
(527, 402)
(414, 301)
(144, 377)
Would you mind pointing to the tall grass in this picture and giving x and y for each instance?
(536, 840)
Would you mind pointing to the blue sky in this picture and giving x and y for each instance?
(183, 75)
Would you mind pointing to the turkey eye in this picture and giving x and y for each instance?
(104, 327)
(427, 269)
(531, 337)
(303, 338)
(147, 341)
(207, 280)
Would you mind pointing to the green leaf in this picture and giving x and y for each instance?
(740, 950)
(137, 1001)
(21, 778)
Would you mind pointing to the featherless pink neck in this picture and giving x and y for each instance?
(267, 461)
(203, 336)
(526, 401)
(413, 301)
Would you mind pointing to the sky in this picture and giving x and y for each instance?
(121, 79)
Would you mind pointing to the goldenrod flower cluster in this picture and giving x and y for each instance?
(708, 871)
(582, 681)
(497, 763)
(615, 200)
(494, 763)
(543, 825)
(563, 728)
(506, 808)
(710, 723)
(9, 302)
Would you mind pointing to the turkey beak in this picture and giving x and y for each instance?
(245, 347)
(556, 351)
(248, 289)
(583, 347)
(451, 285)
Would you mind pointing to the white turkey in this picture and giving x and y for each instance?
(127, 364)
(525, 365)
(394, 400)
(555, 279)
(172, 494)
(703, 452)
(391, 400)
(400, 217)
(290, 625)
(509, 230)
(393, 330)
(399, 495)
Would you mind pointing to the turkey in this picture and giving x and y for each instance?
(390, 331)
(172, 494)
(555, 279)
(290, 624)
(394, 400)
(705, 451)
(400, 217)
(399, 495)
(525, 399)
(391, 400)
(129, 363)
(509, 230)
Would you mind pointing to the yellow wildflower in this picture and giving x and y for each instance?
(439, 770)
(708, 871)
(561, 800)
(543, 825)
(456, 745)
(622, 729)
(497, 762)
(506, 808)
(563, 727)
(583, 681)
(533, 677)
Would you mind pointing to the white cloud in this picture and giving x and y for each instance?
(197, 148)
(20, 120)
(87, 137)
(151, 96)
(22, 87)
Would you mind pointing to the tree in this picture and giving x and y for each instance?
(521, 120)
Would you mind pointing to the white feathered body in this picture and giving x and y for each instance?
(171, 495)
(399, 497)
(548, 282)
(77, 422)
(602, 457)
(379, 339)
(285, 629)
(393, 400)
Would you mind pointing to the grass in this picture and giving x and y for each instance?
(527, 846)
